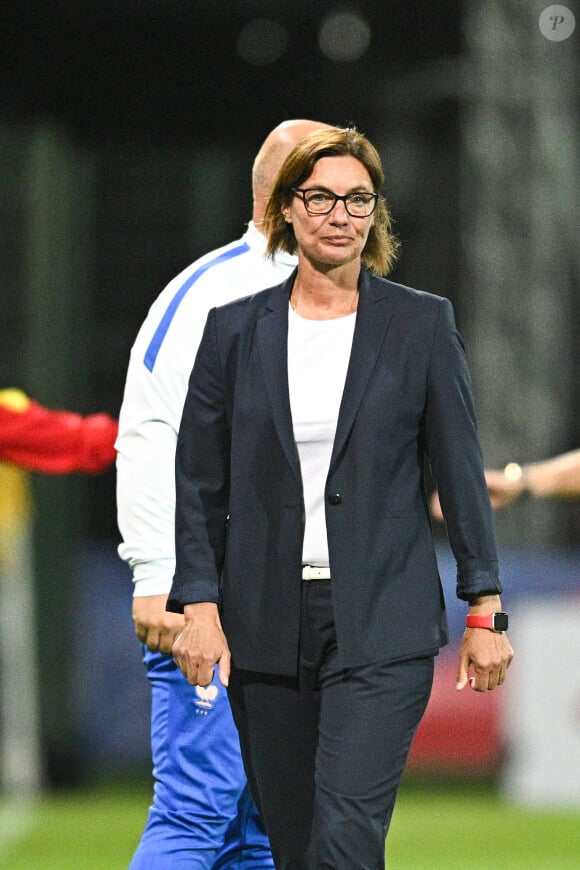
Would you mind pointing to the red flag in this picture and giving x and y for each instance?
(54, 441)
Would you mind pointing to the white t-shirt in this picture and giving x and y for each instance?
(157, 379)
(318, 356)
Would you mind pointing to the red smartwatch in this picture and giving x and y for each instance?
(493, 621)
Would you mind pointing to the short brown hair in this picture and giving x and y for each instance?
(381, 247)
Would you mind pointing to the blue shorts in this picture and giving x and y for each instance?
(203, 816)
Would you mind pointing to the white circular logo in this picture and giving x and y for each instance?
(557, 23)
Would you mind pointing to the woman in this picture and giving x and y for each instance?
(305, 561)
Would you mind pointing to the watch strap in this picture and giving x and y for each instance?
(493, 621)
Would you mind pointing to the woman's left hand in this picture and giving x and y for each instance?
(489, 653)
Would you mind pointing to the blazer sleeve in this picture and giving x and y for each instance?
(201, 480)
(457, 463)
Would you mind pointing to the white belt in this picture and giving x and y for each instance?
(313, 572)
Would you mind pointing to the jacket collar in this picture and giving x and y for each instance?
(374, 314)
(371, 289)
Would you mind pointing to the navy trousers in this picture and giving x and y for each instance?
(324, 752)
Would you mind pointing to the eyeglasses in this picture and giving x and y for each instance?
(361, 204)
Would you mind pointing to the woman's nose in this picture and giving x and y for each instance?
(339, 213)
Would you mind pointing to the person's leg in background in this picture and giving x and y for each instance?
(202, 817)
(246, 845)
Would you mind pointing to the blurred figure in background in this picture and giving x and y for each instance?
(202, 815)
(557, 477)
(33, 438)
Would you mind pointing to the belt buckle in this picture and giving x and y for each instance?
(315, 572)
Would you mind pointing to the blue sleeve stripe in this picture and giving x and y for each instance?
(165, 322)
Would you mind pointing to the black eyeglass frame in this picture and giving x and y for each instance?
(344, 198)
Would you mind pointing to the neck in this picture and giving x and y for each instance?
(319, 296)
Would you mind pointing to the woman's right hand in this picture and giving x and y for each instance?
(202, 645)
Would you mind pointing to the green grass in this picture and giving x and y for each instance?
(89, 829)
(468, 828)
(434, 828)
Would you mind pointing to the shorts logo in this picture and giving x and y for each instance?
(206, 695)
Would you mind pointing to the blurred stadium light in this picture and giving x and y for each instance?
(344, 36)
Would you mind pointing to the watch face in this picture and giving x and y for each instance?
(500, 621)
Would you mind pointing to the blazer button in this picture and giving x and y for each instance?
(335, 498)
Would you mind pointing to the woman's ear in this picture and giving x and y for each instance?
(285, 209)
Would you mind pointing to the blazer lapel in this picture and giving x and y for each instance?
(272, 338)
(375, 311)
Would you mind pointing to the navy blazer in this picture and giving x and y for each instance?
(240, 512)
